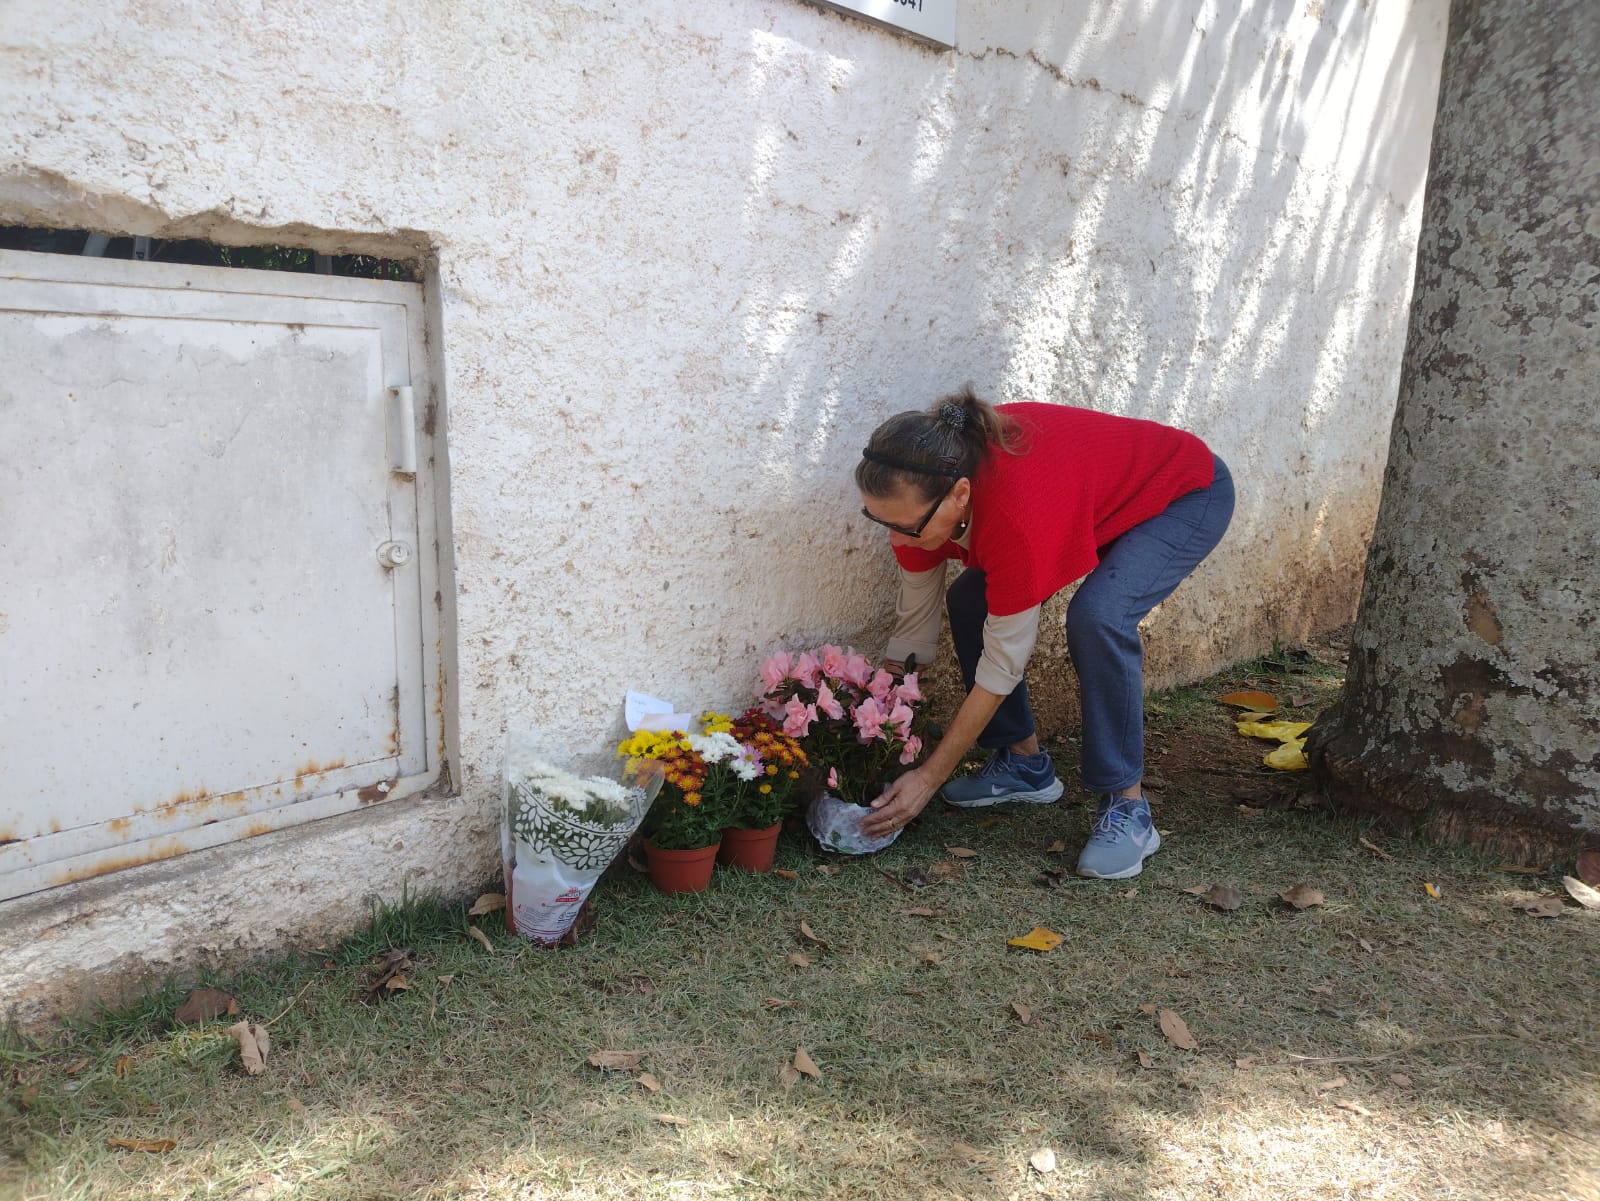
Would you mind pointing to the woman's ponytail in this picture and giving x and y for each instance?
(944, 443)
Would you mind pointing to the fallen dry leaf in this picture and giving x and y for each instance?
(1544, 907)
(1336, 1082)
(1221, 896)
(1177, 1031)
(829, 869)
(203, 1004)
(124, 1064)
(804, 1064)
(945, 869)
(1353, 1108)
(1057, 847)
(617, 1061)
(1148, 1008)
(481, 937)
(396, 983)
(788, 1075)
(912, 992)
(489, 902)
(1365, 946)
(1303, 896)
(1245, 1064)
(961, 852)
(807, 932)
(797, 959)
(1263, 702)
(775, 1003)
(989, 823)
(1325, 989)
(919, 913)
(446, 978)
(1375, 849)
(1248, 811)
(1132, 892)
(1024, 1014)
(1037, 939)
(157, 1145)
(1146, 1060)
(784, 873)
(1043, 1160)
(932, 958)
(969, 1153)
(946, 936)
(1098, 1036)
(1587, 868)
(647, 1081)
(1291, 756)
(670, 1119)
(1580, 892)
(1400, 1080)
(254, 1043)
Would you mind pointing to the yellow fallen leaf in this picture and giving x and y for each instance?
(1037, 939)
(489, 902)
(962, 852)
(1291, 756)
(804, 1064)
(1177, 1031)
(1262, 701)
(143, 1144)
(1277, 731)
(1430, 888)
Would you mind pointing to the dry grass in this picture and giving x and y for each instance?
(931, 1086)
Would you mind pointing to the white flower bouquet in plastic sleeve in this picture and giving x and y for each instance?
(559, 831)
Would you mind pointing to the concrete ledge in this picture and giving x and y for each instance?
(108, 938)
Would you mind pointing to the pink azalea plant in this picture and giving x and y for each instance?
(855, 721)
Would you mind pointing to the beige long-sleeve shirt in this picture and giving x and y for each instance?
(1007, 641)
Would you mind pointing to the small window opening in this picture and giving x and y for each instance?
(204, 254)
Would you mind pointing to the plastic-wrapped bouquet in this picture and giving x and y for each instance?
(856, 723)
(559, 832)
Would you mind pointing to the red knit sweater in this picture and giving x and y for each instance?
(1039, 518)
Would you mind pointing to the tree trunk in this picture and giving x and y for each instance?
(1472, 705)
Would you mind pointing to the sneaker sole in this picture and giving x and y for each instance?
(1044, 796)
(1127, 872)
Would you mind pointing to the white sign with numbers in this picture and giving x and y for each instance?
(931, 20)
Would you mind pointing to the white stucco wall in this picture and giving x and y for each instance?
(687, 254)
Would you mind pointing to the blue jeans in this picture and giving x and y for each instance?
(1136, 572)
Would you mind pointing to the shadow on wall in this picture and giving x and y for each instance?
(1207, 239)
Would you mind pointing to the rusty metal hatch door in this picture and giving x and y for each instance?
(217, 544)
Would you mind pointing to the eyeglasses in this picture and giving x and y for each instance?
(920, 526)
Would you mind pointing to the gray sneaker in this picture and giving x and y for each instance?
(1124, 836)
(1006, 779)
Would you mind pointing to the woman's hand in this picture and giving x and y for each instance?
(901, 801)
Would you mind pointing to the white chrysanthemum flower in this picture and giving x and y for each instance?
(747, 768)
(564, 786)
(715, 748)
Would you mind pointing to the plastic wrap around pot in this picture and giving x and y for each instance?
(836, 824)
(559, 832)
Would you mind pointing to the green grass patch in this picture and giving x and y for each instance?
(1385, 1044)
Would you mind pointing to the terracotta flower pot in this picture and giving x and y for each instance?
(751, 850)
(680, 871)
